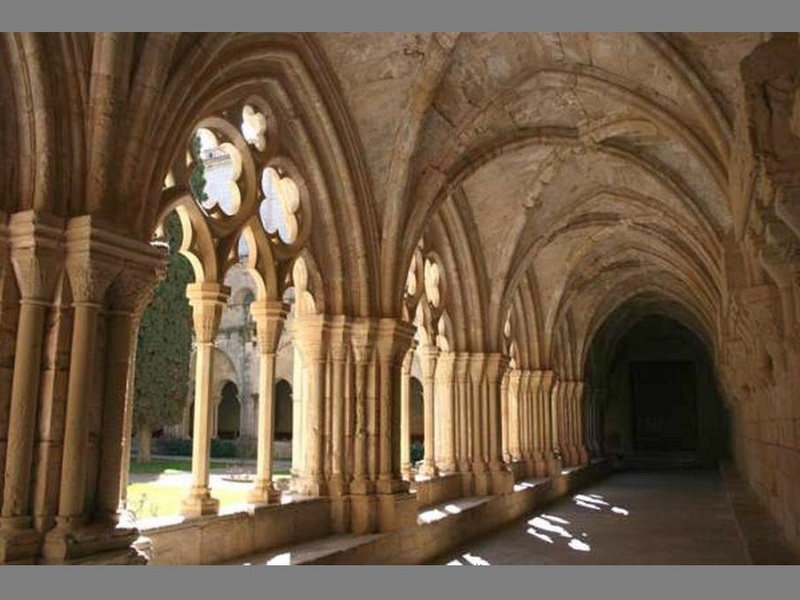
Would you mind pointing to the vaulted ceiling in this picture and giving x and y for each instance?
(556, 175)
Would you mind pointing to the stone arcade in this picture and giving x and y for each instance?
(585, 246)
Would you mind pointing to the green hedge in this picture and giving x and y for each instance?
(183, 447)
(417, 451)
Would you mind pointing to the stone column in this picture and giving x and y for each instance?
(501, 479)
(462, 383)
(129, 295)
(445, 398)
(477, 423)
(588, 419)
(504, 417)
(298, 417)
(208, 301)
(392, 341)
(572, 434)
(568, 404)
(349, 413)
(539, 448)
(562, 390)
(428, 357)
(405, 414)
(339, 346)
(362, 338)
(9, 304)
(524, 416)
(310, 333)
(551, 433)
(37, 256)
(514, 420)
(580, 408)
(269, 318)
(89, 278)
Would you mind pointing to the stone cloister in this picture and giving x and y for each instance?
(535, 224)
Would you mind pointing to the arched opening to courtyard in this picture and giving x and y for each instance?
(228, 412)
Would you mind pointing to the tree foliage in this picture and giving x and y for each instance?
(165, 344)
(197, 179)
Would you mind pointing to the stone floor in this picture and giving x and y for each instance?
(681, 517)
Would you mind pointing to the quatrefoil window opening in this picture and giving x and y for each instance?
(432, 283)
(279, 208)
(217, 168)
(243, 247)
(254, 127)
(411, 278)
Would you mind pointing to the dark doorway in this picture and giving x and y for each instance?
(283, 410)
(664, 406)
(228, 417)
(653, 396)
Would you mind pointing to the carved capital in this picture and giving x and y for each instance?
(392, 340)
(409, 358)
(496, 365)
(477, 367)
(548, 381)
(37, 254)
(339, 338)
(514, 376)
(362, 340)
(89, 277)
(445, 367)
(428, 356)
(133, 289)
(311, 335)
(537, 379)
(207, 301)
(270, 318)
(524, 382)
(462, 367)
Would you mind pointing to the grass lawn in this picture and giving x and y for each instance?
(164, 466)
(149, 500)
(185, 466)
(159, 499)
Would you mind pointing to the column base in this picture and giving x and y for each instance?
(467, 483)
(396, 511)
(337, 487)
(502, 481)
(74, 543)
(583, 455)
(482, 479)
(362, 487)
(530, 465)
(574, 456)
(447, 466)
(310, 486)
(539, 464)
(554, 465)
(264, 495)
(19, 544)
(363, 514)
(340, 514)
(199, 504)
(429, 470)
(385, 485)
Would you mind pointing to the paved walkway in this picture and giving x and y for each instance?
(682, 517)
